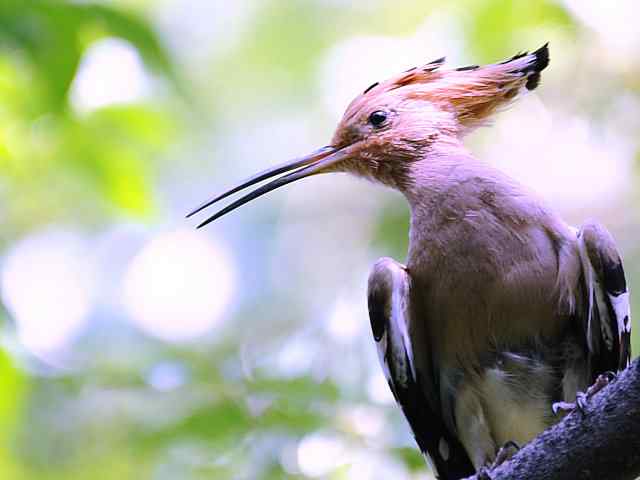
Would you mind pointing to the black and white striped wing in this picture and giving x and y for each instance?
(608, 322)
(389, 312)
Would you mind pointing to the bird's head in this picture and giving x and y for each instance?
(422, 112)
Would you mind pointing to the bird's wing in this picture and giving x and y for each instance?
(390, 315)
(608, 316)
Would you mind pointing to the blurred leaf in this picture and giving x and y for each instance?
(492, 24)
(411, 457)
(291, 416)
(126, 184)
(48, 36)
(115, 148)
(302, 389)
(135, 30)
(285, 54)
(12, 386)
(12, 389)
(54, 163)
(391, 230)
(50, 33)
(219, 422)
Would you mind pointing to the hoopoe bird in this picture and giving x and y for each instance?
(502, 309)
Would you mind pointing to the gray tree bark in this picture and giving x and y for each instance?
(603, 443)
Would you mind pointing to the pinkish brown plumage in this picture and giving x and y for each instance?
(471, 93)
(502, 308)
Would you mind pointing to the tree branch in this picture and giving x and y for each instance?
(603, 443)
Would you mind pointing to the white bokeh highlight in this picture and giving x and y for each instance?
(570, 162)
(47, 285)
(615, 22)
(346, 320)
(320, 454)
(346, 71)
(378, 389)
(178, 286)
(214, 26)
(167, 376)
(364, 420)
(111, 72)
(296, 357)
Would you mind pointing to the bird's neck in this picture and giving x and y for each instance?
(435, 179)
(444, 191)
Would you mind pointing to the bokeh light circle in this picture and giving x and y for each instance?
(46, 284)
(178, 286)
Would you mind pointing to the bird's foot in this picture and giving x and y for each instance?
(602, 381)
(583, 397)
(564, 407)
(505, 453)
(484, 473)
(508, 450)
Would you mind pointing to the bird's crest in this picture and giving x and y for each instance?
(473, 92)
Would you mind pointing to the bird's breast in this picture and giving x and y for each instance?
(482, 289)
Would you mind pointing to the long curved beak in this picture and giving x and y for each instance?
(312, 164)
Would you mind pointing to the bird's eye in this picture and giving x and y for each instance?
(377, 118)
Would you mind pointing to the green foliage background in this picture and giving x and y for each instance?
(147, 162)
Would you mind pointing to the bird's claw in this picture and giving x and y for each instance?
(505, 453)
(567, 407)
(582, 398)
(602, 381)
(483, 474)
